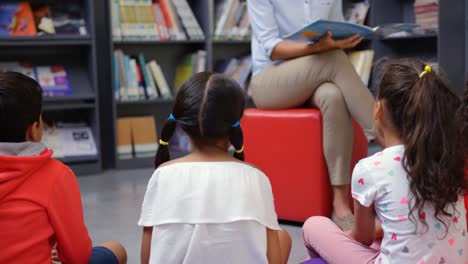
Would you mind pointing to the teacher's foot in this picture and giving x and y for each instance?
(345, 223)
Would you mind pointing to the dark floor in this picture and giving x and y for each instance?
(112, 202)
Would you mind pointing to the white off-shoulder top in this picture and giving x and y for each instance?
(208, 212)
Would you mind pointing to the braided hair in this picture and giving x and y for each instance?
(207, 107)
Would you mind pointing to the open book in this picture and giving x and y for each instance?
(340, 30)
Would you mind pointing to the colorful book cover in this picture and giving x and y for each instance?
(16, 19)
(53, 80)
(341, 30)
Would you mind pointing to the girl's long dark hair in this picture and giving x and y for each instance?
(425, 113)
(206, 107)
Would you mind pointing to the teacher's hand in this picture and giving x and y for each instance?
(327, 42)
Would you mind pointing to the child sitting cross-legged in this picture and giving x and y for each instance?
(209, 207)
(40, 203)
(415, 186)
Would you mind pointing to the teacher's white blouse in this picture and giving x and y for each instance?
(208, 212)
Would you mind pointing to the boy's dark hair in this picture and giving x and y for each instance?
(424, 111)
(206, 107)
(20, 105)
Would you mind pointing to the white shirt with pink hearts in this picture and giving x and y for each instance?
(381, 181)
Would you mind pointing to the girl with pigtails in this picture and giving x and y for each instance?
(209, 207)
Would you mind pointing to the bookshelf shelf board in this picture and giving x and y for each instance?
(157, 42)
(68, 98)
(67, 106)
(79, 159)
(231, 42)
(48, 40)
(411, 37)
(146, 102)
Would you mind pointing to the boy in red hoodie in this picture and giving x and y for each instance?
(40, 203)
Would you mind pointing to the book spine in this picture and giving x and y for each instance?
(222, 21)
(153, 81)
(141, 81)
(124, 19)
(167, 18)
(115, 68)
(164, 32)
(150, 89)
(180, 35)
(134, 90)
(159, 77)
(115, 13)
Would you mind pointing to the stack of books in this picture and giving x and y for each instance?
(137, 79)
(232, 20)
(136, 137)
(427, 14)
(190, 64)
(25, 19)
(154, 20)
(238, 68)
(53, 79)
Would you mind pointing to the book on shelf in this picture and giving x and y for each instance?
(43, 19)
(232, 20)
(357, 13)
(362, 61)
(70, 140)
(340, 30)
(25, 19)
(124, 138)
(136, 137)
(144, 136)
(16, 19)
(190, 64)
(21, 67)
(238, 68)
(137, 79)
(427, 14)
(159, 79)
(52, 78)
(154, 20)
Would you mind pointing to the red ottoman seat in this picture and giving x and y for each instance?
(287, 146)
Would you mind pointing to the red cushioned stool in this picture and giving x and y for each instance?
(287, 146)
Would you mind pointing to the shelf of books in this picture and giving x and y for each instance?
(53, 43)
(156, 42)
(231, 21)
(156, 45)
(420, 42)
(45, 40)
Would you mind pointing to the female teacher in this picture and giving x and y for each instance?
(288, 74)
